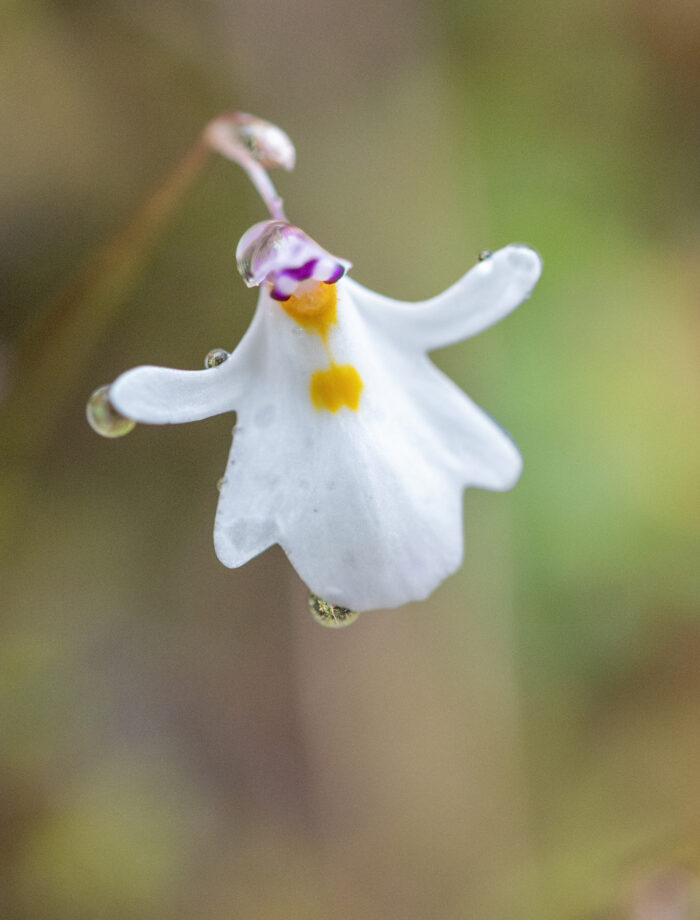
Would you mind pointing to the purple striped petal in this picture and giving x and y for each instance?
(303, 271)
(280, 253)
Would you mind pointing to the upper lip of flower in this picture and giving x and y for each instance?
(278, 252)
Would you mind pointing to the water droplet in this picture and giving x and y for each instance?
(484, 254)
(104, 418)
(220, 483)
(329, 614)
(215, 357)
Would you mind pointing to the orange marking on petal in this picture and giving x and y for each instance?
(336, 387)
(315, 309)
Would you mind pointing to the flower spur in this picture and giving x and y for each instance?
(352, 449)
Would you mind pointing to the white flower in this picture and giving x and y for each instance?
(351, 450)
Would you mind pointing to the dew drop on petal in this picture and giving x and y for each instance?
(484, 254)
(104, 418)
(329, 614)
(215, 357)
(220, 483)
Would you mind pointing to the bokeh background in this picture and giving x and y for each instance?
(182, 741)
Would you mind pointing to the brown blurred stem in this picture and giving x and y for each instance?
(54, 349)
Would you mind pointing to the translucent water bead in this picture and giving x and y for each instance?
(104, 418)
(329, 614)
(215, 357)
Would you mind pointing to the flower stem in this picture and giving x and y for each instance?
(53, 350)
(255, 145)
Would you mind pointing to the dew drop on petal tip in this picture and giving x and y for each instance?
(484, 254)
(329, 614)
(215, 357)
(104, 418)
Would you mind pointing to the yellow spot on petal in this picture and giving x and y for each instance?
(315, 308)
(338, 386)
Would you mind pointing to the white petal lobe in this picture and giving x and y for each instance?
(488, 292)
(160, 396)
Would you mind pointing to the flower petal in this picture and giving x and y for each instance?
(487, 293)
(272, 249)
(469, 437)
(161, 396)
(382, 539)
(245, 524)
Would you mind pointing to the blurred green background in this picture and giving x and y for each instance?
(182, 741)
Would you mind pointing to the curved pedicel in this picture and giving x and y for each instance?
(256, 145)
